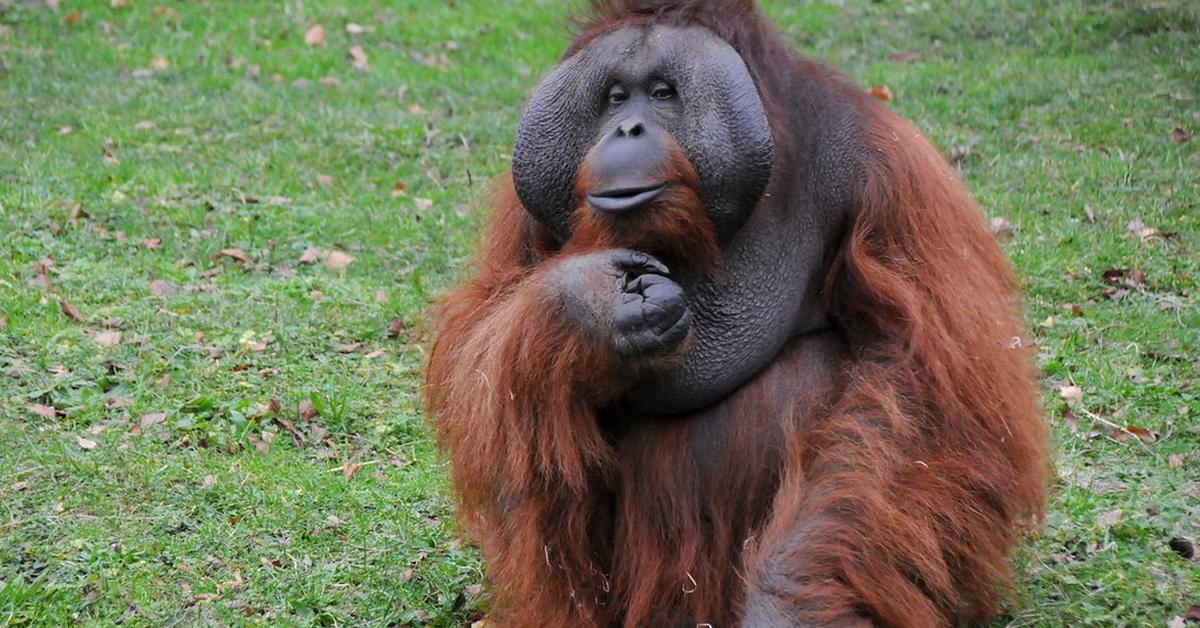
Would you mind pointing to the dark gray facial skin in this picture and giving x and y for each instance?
(773, 228)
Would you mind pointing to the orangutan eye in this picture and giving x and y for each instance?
(617, 94)
(660, 90)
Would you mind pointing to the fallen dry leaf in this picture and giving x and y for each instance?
(3, 321)
(1126, 277)
(378, 353)
(1110, 518)
(310, 255)
(315, 36)
(71, 311)
(358, 57)
(107, 338)
(324, 180)
(395, 328)
(117, 4)
(1174, 461)
(161, 64)
(151, 244)
(881, 92)
(423, 204)
(72, 17)
(347, 347)
(1179, 136)
(65, 130)
(85, 443)
(1137, 228)
(1002, 229)
(355, 29)
(236, 254)
(46, 412)
(160, 288)
(307, 410)
(118, 402)
(153, 418)
(1134, 431)
(398, 189)
(1071, 394)
(338, 260)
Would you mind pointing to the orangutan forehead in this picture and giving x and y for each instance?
(646, 46)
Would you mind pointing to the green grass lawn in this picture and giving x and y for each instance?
(194, 436)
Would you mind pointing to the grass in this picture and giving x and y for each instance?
(138, 142)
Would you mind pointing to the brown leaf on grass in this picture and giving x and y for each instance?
(881, 92)
(234, 254)
(118, 402)
(118, 4)
(72, 17)
(1174, 461)
(1179, 136)
(1193, 613)
(1089, 214)
(107, 338)
(395, 328)
(358, 58)
(324, 180)
(76, 213)
(398, 189)
(151, 244)
(1071, 394)
(1134, 431)
(904, 57)
(315, 36)
(355, 29)
(1002, 229)
(46, 412)
(71, 311)
(153, 418)
(309, 256)
(1139, 229)
(85, 443)
(3, 321)
(41, 282)
(161, 288)
(347, 347)
(1124, 277)
(423, 204)
(378, 353)
(338, 260)
(1186, 548)
(307, 410)
(297, 436)
(1110, 518)
(160, 64)
(163, 382)
(260, 445)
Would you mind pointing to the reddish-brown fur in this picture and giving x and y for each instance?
(877, 474)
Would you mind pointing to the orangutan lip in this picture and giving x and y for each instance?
(624, 199)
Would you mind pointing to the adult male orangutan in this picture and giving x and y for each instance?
(739, 350)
